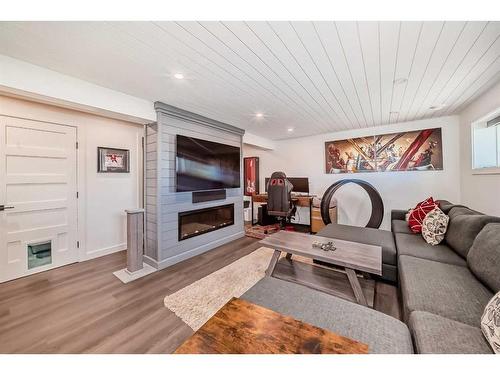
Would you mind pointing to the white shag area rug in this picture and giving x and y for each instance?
(198, 302)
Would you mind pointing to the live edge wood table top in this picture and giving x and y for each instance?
(241, 327)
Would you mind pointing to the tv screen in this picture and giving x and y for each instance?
(204, 165)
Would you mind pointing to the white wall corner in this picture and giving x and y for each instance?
(257, 141)
(40, 84)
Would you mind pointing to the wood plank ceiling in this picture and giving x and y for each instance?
(312, 77)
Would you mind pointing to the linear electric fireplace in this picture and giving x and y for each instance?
(197, 222)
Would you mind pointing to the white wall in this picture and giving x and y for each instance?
(257, 141)
(305, 157)
(107, 195)
(34, 82)
(103, 197)
(480, 192)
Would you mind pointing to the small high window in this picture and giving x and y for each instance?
(486, 145)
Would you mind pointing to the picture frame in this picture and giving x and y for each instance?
(413, 150)
(251, 175)
(113, 160)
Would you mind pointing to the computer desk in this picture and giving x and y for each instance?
(299, 200)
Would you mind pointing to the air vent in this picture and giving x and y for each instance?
(493, 122)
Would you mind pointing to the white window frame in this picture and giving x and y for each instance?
(487, 170)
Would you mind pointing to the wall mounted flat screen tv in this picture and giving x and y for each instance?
(204, 165)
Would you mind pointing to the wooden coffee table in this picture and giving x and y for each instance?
(241, 327)
(351, 256)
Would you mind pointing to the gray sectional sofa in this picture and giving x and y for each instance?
(444, 288)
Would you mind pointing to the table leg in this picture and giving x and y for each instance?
(356, 287)
(274, 261)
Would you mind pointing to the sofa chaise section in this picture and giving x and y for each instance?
(381, 332)
(444, 289)
(434, 334)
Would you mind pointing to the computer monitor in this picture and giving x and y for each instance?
(300, 184)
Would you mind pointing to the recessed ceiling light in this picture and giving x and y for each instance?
(259, 115)
(179, 75)
(437, 107)
(290, 130)
(400, 81)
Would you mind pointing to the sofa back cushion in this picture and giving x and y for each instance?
(463, 227)
(446, 206)
(484, 256)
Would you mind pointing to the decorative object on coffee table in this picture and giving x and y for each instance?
(113, 160)
(351, 256)
(325, 246)
(377, 214)
(240, 327)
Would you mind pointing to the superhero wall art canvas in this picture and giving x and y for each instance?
(406, 151)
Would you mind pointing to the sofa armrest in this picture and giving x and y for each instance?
(398, 214)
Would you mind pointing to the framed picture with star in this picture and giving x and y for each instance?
(113, 160)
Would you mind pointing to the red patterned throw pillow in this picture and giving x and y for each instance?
(418, 214)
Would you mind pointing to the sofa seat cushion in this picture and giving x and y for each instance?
(444, 289)
(484, 256)
(463, 227)
(381, 332)
(400, 226)
(415, 246)
(369, 236)
(434, 334)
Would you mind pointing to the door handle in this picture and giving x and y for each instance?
(2, 207)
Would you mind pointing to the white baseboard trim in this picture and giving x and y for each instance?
(126, 277)
(104, 251)
(196, 251)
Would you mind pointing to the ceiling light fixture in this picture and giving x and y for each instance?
(259, 115)
(290, 130)
(179, 75)
(437, 107)
(400, 81)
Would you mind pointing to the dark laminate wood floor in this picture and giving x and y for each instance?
(84, 308)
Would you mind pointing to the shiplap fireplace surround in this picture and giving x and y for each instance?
(163, 203)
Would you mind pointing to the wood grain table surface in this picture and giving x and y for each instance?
(241, 327)
(352, 256)
(358, 256)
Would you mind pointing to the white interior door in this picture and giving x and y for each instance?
(38, 178)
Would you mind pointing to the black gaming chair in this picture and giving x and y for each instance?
(279, 199)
